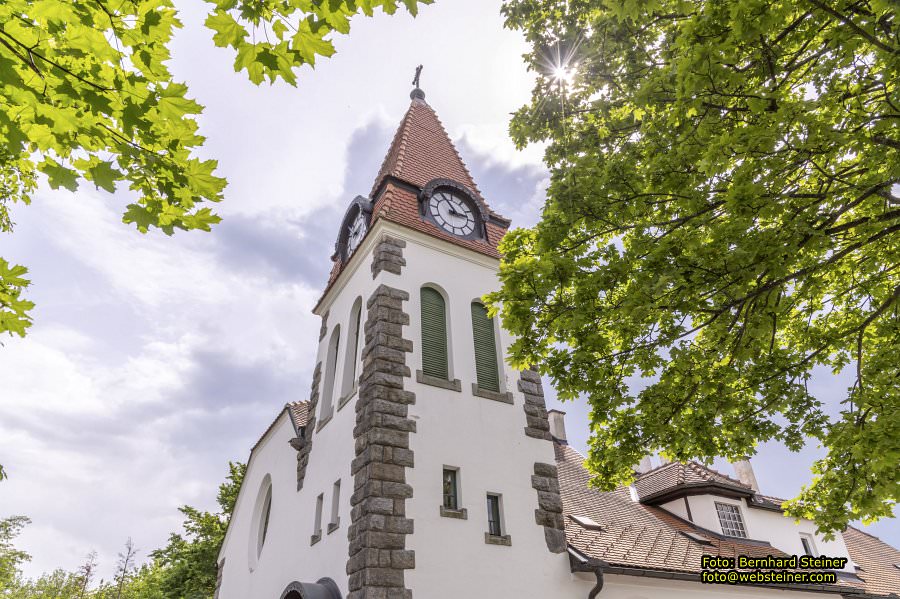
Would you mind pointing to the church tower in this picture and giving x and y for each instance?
(422, 464)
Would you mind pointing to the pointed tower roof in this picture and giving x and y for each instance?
(422, 153)
(422, 150)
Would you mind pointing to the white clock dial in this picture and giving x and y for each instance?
(452, 213)
(356, 233)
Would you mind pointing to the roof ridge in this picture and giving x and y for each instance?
(868, 534)
(658, 469)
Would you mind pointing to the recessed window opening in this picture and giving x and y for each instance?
(731, 521)
(264, 522)
(352, 351)
(451, 488)
(435, 360)
(317, 529)
(487, 369)
(809, 547)
(335, 503)
(495, 528)
(330, 365)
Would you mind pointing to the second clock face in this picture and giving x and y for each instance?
(452, 213)
(356, 233)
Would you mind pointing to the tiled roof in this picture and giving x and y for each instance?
(299, 412)
(677, 476)
(636, 536)
(421, 152)
(879, 562)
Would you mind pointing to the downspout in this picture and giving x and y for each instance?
(581, 563)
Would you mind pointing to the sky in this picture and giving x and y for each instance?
(155, 360)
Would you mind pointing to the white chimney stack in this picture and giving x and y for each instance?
(557, 424)
(744, 470)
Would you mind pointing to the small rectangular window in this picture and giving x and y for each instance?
(451, 489)
(335, 504)
(731, 520)
(493, 510)
(808, 547)
(320, 500)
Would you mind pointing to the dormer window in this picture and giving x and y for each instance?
(731, 520)
(808, 547)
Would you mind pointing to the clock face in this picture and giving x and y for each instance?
(452, 213)
(356, 233)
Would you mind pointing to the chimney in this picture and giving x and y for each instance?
(645, 465)
(557, 425)
(744, 470)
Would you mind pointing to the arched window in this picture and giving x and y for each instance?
(330, 365)
(259, 528)
(434, 334)
(264, 520)
(486, 367)
(352, 354)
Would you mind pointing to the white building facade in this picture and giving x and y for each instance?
(423, 465)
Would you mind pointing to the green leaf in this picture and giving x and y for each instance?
(59, 175)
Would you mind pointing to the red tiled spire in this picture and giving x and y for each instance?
(422, 151)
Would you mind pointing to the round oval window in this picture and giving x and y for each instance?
(262, 511)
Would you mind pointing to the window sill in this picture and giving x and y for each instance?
(459, 514)
(427, 379)
(333, 526)
(494, 395)
(504, 540)
(324, 421)
(315, 538)
(346, 399)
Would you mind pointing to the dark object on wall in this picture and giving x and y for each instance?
(325, 588)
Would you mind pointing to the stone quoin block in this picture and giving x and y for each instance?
(378, 529)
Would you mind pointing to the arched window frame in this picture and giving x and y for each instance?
(331, 357)
(261, 518)
(422, 376)
(352, 351)
(502, 393)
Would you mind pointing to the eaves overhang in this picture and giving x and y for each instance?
(686, 490)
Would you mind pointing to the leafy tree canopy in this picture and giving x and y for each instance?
(86, 94)
(723, 218)
(10, 557)
(189, 561)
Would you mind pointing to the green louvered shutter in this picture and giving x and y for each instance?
(434, 334)
(485, 349)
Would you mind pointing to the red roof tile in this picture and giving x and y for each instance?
(879, 562)
(676, 477)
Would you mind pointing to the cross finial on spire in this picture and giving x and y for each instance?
(417, 93)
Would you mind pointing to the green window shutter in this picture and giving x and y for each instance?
(434, 334)
(485, 349)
